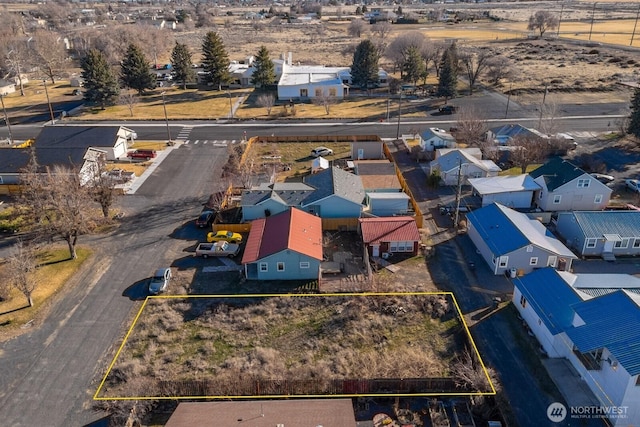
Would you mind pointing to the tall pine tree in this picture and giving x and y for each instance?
(135, 72)
(414, 67)
(101, 84)
(364, 69)
(264, 73)
(215, 60)
(181, 62)
(448, 78)
(634, 118)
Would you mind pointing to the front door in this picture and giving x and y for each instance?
(375, 250)
(360, 153)
(551, 262)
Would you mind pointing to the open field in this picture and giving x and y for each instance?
(56, 269)
(231, 343)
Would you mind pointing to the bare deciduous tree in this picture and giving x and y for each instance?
(474, 62)
(130, 99)
(266, 100)
(20, 271)
(500, 67)
(49, 53)
(399, 49)
(471, 127)
(17, 58)
(325, 100)
(356, 28)
(542, 21)
(101, 185)
(468, 373)
(528, 149)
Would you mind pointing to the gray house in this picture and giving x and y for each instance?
(387, 204)
(270, 199)
(459, 164)
(286, 246)
(601, 233)
(434, 138)
(367, 150)
(566, 187)
(510, 241)
(338, 194)
(514, 191)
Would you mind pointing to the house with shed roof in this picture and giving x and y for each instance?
(434, 138)
(514, 191)
(389, 235)
(265, 413)
(71, 146)
(378, 176)
(604, 234)
(268, 199)
(566, 187)
(302, 82)
(599, 336)
(285, 246)
(459, 164)
(367, 149)
(510, 241)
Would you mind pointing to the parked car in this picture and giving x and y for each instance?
(223, 235)
(447, 109)
(160, 281)
(142, 154)
(221, 248)
(205, 219)
(321, 151)
(605, 179)
(633, 185)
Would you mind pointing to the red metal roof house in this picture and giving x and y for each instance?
(390, 234)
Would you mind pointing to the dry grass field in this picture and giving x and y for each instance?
(306, 338)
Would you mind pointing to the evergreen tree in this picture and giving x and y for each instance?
(135, 71)
(414, 67)
(181, 62)
(215, 60)
(364, 69)
(634, 118)
(264, 72)
(448, 78)
(101, 85)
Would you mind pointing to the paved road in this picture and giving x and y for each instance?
(48, 376)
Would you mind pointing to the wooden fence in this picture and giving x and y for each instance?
(318, 138)
(342, 224)
(9, 189)
(405, 186)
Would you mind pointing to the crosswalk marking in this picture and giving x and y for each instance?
(214, 142)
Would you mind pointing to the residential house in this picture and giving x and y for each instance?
(514, 191)
(455, 166)
(7, 87)
(285, 246)
(566, 187)
(390, 235)
(305, 82)
(263, 413)
(601, 233)
(270, 199)
(241, 72)
(338, 194)
(509, 241)
(329, 193)
(503, 135)
(434, 138)
(367, 150)
(599, 336)
(378, 176)
(71, 146)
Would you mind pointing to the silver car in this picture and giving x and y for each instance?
(321, 151)
(633, 185)
(160, 281)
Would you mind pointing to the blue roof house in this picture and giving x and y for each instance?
(511, 241)
(601, 233)
(599, 336)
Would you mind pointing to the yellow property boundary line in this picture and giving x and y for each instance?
(374, 294)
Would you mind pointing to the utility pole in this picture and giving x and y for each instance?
(506, 113)
(166, 119)
(560, 20)
(230, 105)
(593, 14)
(458, 194)
(399, 114)
(634, 26)
(46, 91)
(6, 118)
(544, 97)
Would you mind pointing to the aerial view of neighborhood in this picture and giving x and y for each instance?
(319, 214)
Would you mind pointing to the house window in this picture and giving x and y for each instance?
(636, 243)
(624, 243)
(597, 199)
(305, 264)
(584, 183)
(264, 266)
(504, 260)
(393, 246)
(533, 260)
(304, 93)
(523, 301)
(318, 92)
(332, 91)
(530, 248)
(591, 243)
(280, 266)
(556, 199)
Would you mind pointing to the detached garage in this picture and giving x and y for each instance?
(395, 234)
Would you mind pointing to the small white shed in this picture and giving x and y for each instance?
(319, 164)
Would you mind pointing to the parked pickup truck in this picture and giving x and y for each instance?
(141, 154)
(221, 248)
